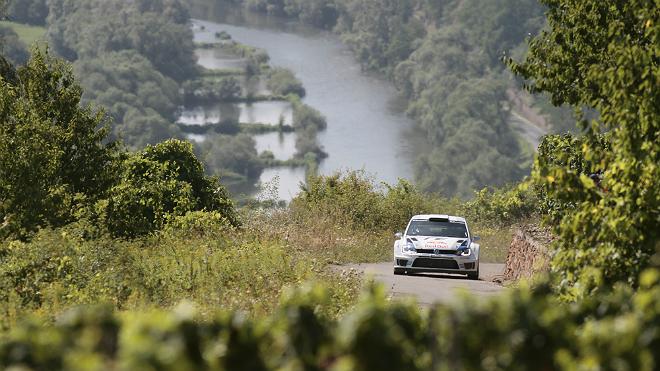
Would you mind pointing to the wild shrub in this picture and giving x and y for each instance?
(352, 199)
(503, 206)
(199, 223)
(198, 257)
(157, 184)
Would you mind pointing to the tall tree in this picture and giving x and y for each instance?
(603, 54)
(52, 151)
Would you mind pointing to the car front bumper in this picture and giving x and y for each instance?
(439, 263)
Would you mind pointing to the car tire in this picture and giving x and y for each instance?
(399, 271)
(474, 276)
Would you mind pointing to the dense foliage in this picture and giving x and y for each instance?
(150, 27)
(28, 11)
(52, 158)
(135, 94)
(603, 55)
(124, 56)
(160, 183)
(521, 330)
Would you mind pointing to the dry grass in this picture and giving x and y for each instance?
(321, 237)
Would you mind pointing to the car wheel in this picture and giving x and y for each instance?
(474, 276)
(399, 271)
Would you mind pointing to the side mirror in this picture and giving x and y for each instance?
(476, 238)
(398, 235)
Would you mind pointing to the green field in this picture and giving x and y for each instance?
(28, 34)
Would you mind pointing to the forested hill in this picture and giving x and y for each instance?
(130, 58)
(445, 57)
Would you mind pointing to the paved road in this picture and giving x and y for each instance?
(433, 288)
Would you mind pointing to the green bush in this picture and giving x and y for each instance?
(521, 330)
(208, 193)
(147, 195)
(160, 183)
(504, 206)
(198, 223)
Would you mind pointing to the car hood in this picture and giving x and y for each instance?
(434, 242)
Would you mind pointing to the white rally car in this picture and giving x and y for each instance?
(437, 243)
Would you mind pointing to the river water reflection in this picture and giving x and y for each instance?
(282, 145)
(366, 129)
(218, 59)
(245, 113)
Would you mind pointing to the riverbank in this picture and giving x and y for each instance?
(239, 96)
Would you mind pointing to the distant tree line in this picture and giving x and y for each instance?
(32, 12)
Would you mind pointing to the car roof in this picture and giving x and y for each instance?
(439, 216)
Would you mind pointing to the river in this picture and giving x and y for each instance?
(367, 130)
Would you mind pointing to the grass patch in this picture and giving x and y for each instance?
(27, 33)
(214, 266)
(321, 237)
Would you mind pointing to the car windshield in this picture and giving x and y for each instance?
(437, 228)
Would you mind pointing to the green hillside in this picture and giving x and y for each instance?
(28, 34)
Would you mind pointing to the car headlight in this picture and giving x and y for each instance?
(464, 249)
(409, 247)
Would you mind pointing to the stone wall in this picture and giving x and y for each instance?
(528, 254)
